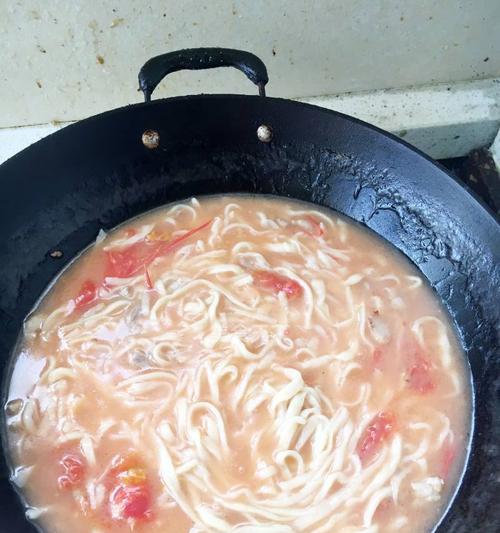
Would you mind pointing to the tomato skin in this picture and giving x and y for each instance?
(149, 282)
(377, 431)
(87, 294)
(130, 502)
(277, 283)
(69, 461)
(172, 245)
(64, 482)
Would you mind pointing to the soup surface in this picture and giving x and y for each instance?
(238, 364)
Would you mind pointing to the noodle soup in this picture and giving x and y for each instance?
(238, 364)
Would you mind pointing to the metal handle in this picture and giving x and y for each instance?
(154, 70)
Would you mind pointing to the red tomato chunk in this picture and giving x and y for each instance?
(87, 294)
(374, 435)
(74, 472)
(419, 376)
(277, 283)
(130, 502)
(126, 263)
(130, 495)
(418, 372)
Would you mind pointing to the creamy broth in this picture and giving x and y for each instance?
(238, 364)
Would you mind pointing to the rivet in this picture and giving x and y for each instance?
(151, 139)
(264, 133)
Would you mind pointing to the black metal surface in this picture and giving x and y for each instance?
(97, 173)
(160, 66)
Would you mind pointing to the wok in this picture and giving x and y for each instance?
(101, 171)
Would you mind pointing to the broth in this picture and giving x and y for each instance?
(238, 364)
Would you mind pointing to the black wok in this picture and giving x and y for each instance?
(57, 193)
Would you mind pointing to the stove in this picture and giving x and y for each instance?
(479, 173)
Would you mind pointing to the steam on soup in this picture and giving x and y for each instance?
(238, 364)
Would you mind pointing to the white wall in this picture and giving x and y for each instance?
(65, 60)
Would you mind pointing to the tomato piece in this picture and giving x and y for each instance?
(125, 263)
(448, 457)
(377, 357)
(128, 262)
(130, 495)
(309, 225)
(87, 294)
(384, 508)
(317, 229)
(419, 376)
(74, 472)
(418, 371)
(374, 435)
(277, 283)
(130, 502)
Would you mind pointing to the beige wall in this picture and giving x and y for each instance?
(64, 60)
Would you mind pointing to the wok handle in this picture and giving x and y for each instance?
(154, 70)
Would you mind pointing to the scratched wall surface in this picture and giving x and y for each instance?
(65, 60)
